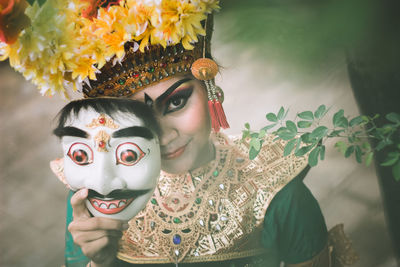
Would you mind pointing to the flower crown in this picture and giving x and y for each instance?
(63, 44)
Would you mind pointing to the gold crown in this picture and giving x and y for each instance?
(141, 69)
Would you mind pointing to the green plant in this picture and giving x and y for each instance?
(307, 134)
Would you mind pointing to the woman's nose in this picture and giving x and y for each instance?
(168, 134)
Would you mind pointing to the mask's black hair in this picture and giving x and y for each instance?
(109, 106)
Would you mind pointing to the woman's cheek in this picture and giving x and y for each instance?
(195, 119)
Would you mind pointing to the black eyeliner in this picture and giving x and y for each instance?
(184, 94)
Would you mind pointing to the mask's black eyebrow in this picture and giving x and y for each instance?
(70, 131)
(170, 90)
(134, 131)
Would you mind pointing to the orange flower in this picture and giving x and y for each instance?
(91, 11)
(12, 19)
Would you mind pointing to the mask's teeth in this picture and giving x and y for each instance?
(121, 203)
(112, 206)
(103, 206)
(95, 203)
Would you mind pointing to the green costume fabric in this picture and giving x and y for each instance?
(294, 229)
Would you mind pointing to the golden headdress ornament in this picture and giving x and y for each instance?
(107, 48)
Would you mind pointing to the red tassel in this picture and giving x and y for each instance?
(221, 115)
(214, 120)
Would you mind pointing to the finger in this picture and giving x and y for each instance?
(78, 204)
(101, 249)
(97, 223)
(82, 237)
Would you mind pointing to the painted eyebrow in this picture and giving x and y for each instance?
(169, 91)
(70, 131)
(134, 131)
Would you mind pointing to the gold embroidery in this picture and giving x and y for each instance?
(104, 121)
(101, 140)
(218, 212)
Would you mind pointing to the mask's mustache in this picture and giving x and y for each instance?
(118, 194)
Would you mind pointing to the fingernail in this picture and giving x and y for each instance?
(125, 226)
(83, 192)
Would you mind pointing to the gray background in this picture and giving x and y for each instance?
(271, 57)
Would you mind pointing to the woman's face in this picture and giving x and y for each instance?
(180, 103)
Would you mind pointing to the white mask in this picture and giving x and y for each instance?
(120, 171)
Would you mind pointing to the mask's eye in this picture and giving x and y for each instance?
(129, 154)
(80, 153)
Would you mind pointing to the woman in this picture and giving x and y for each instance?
(212, 204)
(293, 230)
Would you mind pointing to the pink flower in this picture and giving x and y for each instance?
(12, 19)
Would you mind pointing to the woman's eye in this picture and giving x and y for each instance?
(129, 154)
(80, 154)
(178, 100)
(176, 104)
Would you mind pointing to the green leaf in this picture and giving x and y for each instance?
(281, 113)
(319, 132)
(286, 135)
(271, 117)
(303, 150)
(313, 157)
(366, 146)
(306, 115)
(262, 133)
(337, 116)
(247, 125)
(305, 137)
(268, 127)
(322, 153)
(356, 121)
(393, 117)
(368, 158)
(358, 154)
(297, 145)
(255, 143)
(343, 123)
(382, 144)
(291, 126)
(391, 159)
(320, 112)
(341, 146)
(304, 124)
(349, 151)
(289, 147)
(335, 133)
(253, 153)
(245, 134)
(396, 171)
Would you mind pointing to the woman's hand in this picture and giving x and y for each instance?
(98, 237)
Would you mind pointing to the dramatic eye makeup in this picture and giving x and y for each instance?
(80, 154)
(129, 154)
(177, 100)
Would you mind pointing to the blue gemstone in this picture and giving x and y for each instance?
(176, 239)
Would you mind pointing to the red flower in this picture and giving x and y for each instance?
(12, 19)
(94, 5)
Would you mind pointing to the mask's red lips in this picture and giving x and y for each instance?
(110, 206)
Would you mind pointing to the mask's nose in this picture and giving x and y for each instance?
(105, 178)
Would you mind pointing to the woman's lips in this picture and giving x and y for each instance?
(175, 154)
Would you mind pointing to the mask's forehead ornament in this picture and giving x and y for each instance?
(102, 138)
(103, 121)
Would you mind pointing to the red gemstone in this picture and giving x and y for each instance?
(102, 144)
(175, 201)
(135, 74)
(163, 65)
(213, 217)
(102, 121)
